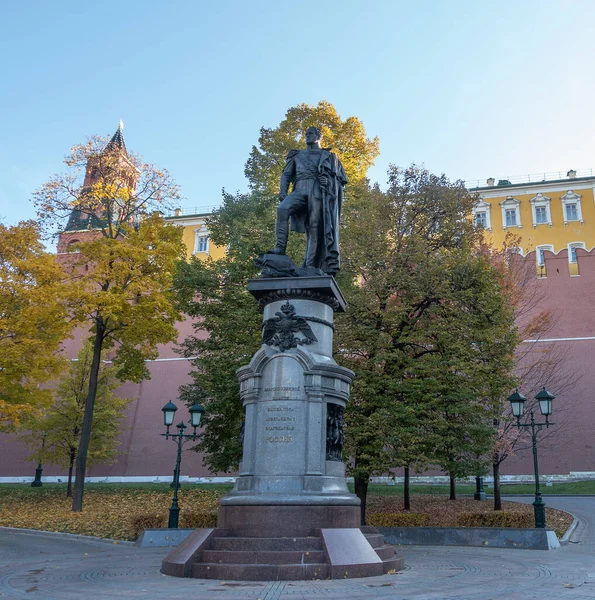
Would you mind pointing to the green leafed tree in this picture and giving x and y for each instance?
(215, 292)
(120, 275)
(62, 421)
(471, 367)
(412, 269)
(34, 321)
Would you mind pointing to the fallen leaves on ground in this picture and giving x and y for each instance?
(112, 513)
(106, 514)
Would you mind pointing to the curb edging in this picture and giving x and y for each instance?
(566, 537)
(78, 536)
(472, 537)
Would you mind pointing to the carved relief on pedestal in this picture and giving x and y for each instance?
(334, 432)
(280, 330)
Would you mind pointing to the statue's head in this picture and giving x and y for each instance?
(313, 134)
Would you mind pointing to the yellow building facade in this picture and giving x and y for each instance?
(196, 235)
(548, 215)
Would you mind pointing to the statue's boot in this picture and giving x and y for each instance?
(281, 232)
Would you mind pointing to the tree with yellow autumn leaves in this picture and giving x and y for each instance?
(120, 271)
(55, 434)
(34, 322)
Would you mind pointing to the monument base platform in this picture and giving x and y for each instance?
(286, 521)
(329, 553)
(290, 515)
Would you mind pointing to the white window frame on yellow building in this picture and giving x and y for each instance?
(483, 207)
(511, 204)
(541, 201)
(571, 197)
(574, 245)
(195, 226)
(199, 233)
(544, 247)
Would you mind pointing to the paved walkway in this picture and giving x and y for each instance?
(55, 567)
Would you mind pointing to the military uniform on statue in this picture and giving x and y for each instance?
(313, 207)
(291, 514)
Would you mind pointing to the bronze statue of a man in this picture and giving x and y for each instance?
(314, 205)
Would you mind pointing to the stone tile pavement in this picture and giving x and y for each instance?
(42, 566)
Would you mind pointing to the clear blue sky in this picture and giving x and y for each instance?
(472, 89)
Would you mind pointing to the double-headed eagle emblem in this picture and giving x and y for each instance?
(280, 330)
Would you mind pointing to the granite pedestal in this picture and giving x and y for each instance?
(290, 501)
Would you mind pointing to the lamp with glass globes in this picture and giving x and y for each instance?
(517, 404)
(169, 412)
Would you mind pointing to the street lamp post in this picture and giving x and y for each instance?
(479, 491)
(169, 412)
(37, 481)
(517, 402)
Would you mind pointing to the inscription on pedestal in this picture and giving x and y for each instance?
(281, 436)
(282, 392)
(279, 419)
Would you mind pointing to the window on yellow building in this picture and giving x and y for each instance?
(540, 253)
(481, 215)
(540, 257)
(571, 207)
(201, 240)
(511, 214)
(571, 212)
(540, 214)
(572, 250)
(540, 206)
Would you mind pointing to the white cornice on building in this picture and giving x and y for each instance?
(536, 188)
(187, 221)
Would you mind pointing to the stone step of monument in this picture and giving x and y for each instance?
(385, 552)
(243, 572)
(368, 529)
(288, 557)
(375, 539)
(267, 544)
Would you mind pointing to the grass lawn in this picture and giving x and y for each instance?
(121, 511)
(572, 488)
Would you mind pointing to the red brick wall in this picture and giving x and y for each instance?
(568, 446)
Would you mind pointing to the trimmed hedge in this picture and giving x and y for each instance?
(196, 519)
(144, 521)
(398, 519)
(495, 519)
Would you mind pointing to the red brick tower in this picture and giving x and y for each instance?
(112, 165)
